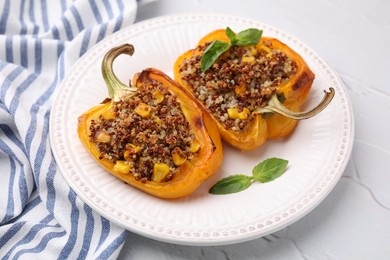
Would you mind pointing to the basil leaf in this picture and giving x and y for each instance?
(212, 52)
(248, 37)
(231, 184)
(269, 169)
(216, 48)
(231, 35)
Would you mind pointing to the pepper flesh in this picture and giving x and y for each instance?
(191, 173)
(295, 91)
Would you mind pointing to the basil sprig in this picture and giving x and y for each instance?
(266, 171)
(247, 37)
(211, 54)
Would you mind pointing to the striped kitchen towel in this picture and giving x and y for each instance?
(40, 216)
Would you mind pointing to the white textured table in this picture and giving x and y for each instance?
(353, 222)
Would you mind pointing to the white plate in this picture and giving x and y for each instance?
(318, 150)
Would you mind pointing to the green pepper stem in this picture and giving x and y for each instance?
(276, 106)
(116, 89)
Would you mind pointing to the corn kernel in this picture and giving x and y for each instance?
(253, 51)
(160, 171)
(194, 146)
(158, 120)
(158, 96)
(264, 48)
(244, 114)
(143, 110)
(233, 113)
(102, 137)
(131, 149)
(178, 156)
(110, 114)
(122, 166)
(249, 59)
(240, 89)
(127, 155)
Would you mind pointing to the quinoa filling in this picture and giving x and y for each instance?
(240, 81)
(146, 135)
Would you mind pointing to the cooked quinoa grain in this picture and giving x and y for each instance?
(240, 81)
(146, 135)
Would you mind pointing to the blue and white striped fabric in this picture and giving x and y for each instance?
(40, 216)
